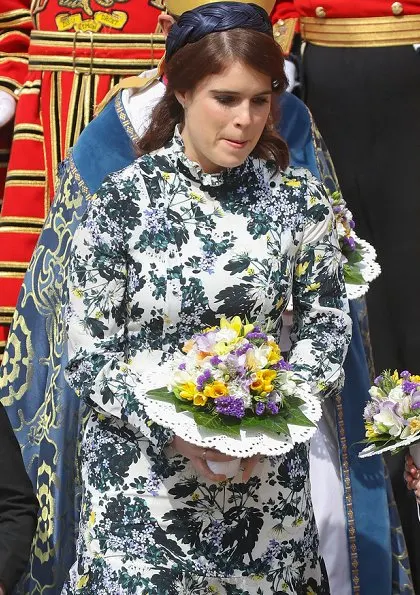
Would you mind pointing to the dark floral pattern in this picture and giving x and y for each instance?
(163, 250)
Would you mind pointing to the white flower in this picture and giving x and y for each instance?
(376, 392)
(387, 422)
(396, 394)
(257, 357)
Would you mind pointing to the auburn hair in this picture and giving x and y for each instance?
(209, 56)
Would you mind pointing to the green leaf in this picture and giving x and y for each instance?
(298, 418)
(216, 423)
(354, 257)
(161, 394)
(353, 276)
(184, 406)
(274, 423)
(292, 402)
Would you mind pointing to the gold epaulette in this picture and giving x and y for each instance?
(284, 32)
(131, 82)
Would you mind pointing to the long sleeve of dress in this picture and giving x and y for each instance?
(15, 28)
(322, 328)
(99, 368)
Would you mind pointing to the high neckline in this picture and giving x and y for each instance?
(194, 170)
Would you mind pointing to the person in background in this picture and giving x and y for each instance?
(58, 61)
(18, 509)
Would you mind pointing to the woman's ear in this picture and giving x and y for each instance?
(181, 97)
(165, 21)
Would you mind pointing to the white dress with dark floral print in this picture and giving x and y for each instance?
(164, 250)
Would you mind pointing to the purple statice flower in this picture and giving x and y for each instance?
(352, 224)
(215, 360)
(405, 374)
(230, 406)
(242, 350)
(351, 243)
(272, 407)
(409, 387)
(260, 408)
(378, 380)
(257, 329)
(202, 379)
(284, 365)
(182, 366)
(256, 336)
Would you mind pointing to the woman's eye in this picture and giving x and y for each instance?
(225, 99)
(260, 100)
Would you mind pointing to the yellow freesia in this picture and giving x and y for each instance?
(275, 354)
(370, 432)
(301, 269)
(235, 324)
(257, 386)
(188, 345)
(414, 425)
(414, 378)
(396, 377)
(215, 389)
(200, 399)
(188, 391)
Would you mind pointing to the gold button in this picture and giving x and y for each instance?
(397, 8)
(320, 12)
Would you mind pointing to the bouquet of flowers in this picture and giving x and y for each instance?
(233, 390)
(392, 416)
(360, 266)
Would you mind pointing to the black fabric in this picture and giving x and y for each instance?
(18, 507)
(213, 18)
(366, 103)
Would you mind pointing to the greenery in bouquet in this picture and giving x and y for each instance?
(232, 377)
(351, 249)
(393, 413)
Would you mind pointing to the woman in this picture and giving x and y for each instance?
(207, 222)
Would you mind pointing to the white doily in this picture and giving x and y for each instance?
(371, 450)
(250, 442)
(368, 268)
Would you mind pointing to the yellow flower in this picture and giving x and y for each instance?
(92, 517)
(370, 432)
(235, 324)
(414, 425)
(215, 390)
(414, 378)
(396, 377)
(83, 581)
(200, 399)
(257, 386)
(301, 269)
(188, 391)
(293, 183)
(275, 354)
(313, 286)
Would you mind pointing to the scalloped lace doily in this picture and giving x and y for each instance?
(369, 269)
(250, 442)
(371, 450)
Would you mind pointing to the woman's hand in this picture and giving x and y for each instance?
(412, 476)
(199, 457)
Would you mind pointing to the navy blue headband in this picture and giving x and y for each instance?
(211, 18)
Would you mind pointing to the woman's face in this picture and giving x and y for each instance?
(225, 116)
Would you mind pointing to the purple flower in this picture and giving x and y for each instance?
(215, 360)
(284, 365)
(202, 379)
(350, 242)
(230, 406)
(242, 350)
(409, 387)
(272, 407)
(205, 342)
(352, 224)
(378, 380)
(182, 366)
(415, 400)
(405, 374)
(337, 209)
(260, 408)
(256, 335)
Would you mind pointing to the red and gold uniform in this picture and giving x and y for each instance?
(59, 58)
(361, 79)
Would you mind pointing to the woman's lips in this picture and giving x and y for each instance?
(236, 144)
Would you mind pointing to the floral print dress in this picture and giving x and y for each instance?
(163, 251)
